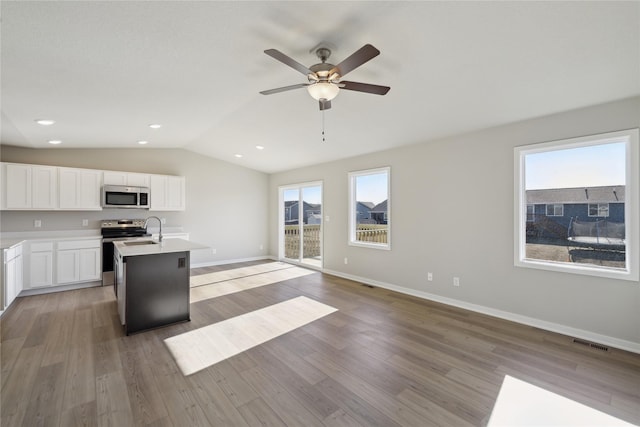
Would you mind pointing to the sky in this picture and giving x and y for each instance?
(369, 188)
(592, 166)
(372, 188)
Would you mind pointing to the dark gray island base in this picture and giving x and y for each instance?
(152, 284)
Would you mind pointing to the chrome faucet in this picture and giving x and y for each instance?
(146, 221)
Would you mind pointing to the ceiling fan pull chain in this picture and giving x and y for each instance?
(323, 140)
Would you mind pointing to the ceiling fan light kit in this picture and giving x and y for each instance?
(324, 78)
(323, 90)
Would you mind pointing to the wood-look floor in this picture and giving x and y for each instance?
(383, 359)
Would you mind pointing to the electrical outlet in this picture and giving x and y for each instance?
(85, 222)
(37, 223)
(163, 220)
(261, 247)
(456, 281)
(430, 276)
(214, 251)
(346, 261)
(326, 218)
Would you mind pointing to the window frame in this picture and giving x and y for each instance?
(555, 205)
(632, 207)
(353, 210)
(597, 210)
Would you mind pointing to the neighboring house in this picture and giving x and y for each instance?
(291, 211)
(549, 211)
(314, 219)
(363, 212)
(379, 213)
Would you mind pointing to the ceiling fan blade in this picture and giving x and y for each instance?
(359, 57)
(364, 87)
(324, 104)
(283, 89)
(276, 54)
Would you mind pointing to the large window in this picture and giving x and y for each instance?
(589, 188)
(370, 208)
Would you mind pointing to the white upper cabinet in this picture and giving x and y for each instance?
(126, 178)
(37, 187)
(79, 189)
(167, 193)
(30, 186)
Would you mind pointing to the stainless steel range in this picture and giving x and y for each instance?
(117, 229)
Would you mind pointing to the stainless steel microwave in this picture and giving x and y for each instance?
(125, 197)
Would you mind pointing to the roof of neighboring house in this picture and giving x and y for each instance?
(369, 205)
(605, 194)
(290, 203)
(380, 207)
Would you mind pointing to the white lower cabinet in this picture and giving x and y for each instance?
(12, 279)
(78, 261)
(40, 264)
(64, 262)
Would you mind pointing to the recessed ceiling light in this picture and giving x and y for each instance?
(155, 126)
(45, 122)
(259, 147)
(238, 155)
(143, 142)
(55, 142)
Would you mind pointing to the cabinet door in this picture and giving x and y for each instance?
(41, 269)
(10, 284)
(79, 189)
(114, 178)
(68, 266)
(18, 186)
(138, 179)
(158, 193)
(90, 267)
(89, 189)
(44, 185)
(69, 181)
(167, 193)
(175, 193)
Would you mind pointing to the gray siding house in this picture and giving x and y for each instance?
(550, 211)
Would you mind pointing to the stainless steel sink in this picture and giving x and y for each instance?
(140, 242)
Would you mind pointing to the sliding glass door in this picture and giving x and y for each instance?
(300, 234)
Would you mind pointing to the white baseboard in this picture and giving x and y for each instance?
(525, 320)
(62, 288)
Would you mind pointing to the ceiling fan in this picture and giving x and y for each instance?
(324, 78)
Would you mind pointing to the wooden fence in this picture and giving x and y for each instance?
(374, 233)
(311, 241)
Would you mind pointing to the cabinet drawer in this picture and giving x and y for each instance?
(41, 247)
(79, 244)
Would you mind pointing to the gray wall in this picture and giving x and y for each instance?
(225, 202)
(452, 214)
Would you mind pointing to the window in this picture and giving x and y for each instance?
(574, 236)
(531, 213)
(555, 210)
(370, 208)
(598, 209)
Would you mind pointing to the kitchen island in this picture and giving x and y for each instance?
(152, 282)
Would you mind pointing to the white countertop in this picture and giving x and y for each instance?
(9, 243)
(166, 246)
(51, 235)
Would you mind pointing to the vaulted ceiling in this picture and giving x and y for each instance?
(104, 71)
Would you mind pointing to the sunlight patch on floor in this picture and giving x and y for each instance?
(522, 404)
(235, 273)
(214, 290)
(198, 349)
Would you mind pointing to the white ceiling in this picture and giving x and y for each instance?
(104, 71)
